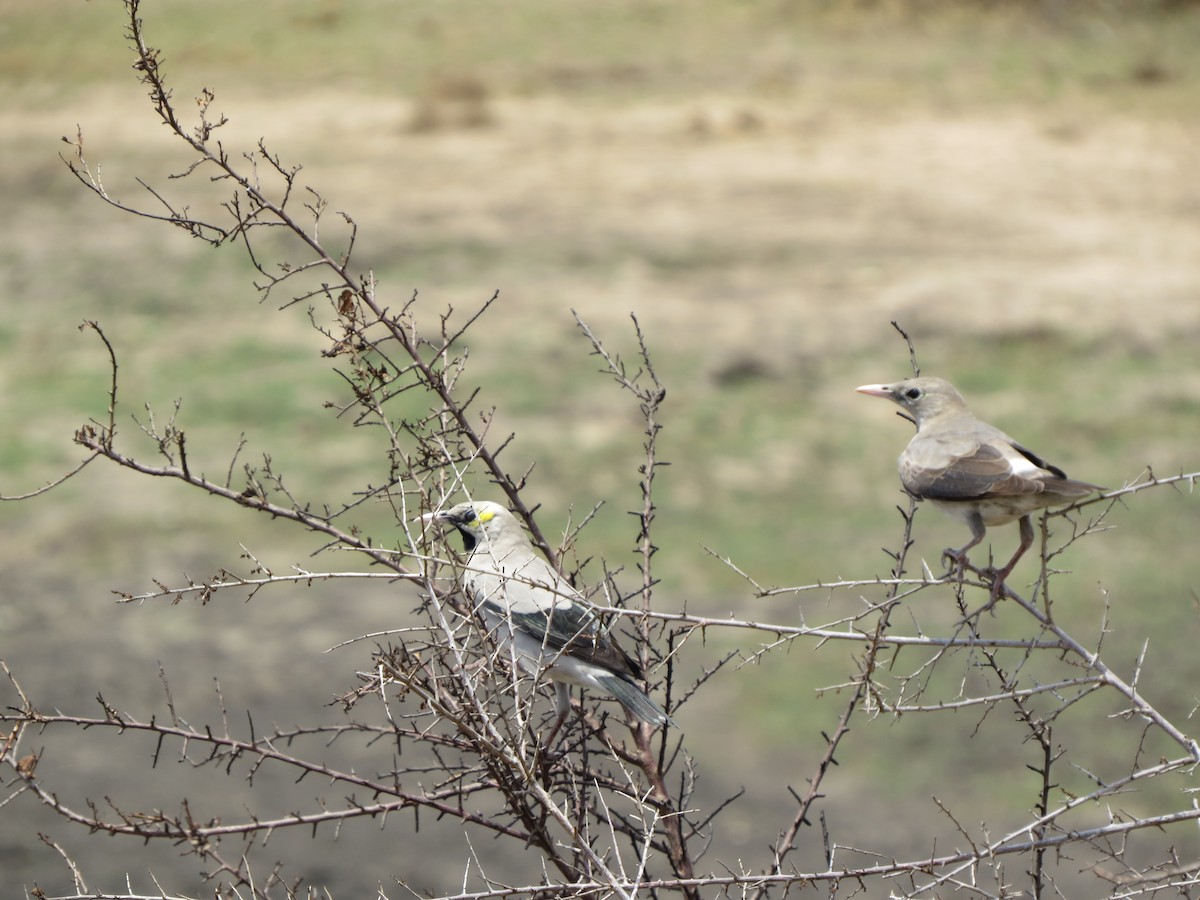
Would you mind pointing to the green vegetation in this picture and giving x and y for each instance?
(869, 55)
(765, 184)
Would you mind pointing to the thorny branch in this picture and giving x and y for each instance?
(462, 726)
(359, 313)
(650, 393)
(861, 695)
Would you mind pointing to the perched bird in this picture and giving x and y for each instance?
(972, 470)
(537, 616)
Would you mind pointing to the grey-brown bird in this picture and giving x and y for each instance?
(972, 470)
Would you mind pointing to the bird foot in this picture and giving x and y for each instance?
(548, 743)
(956, 562)
(998, 577)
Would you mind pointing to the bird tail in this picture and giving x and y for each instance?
(635, 700)
(1076, 488)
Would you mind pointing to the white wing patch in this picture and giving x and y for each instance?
(1020, 465)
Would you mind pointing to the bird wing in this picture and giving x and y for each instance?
(1058, 482)
(974, 463)
(573, 629)
(516, 584)
(1037, 460)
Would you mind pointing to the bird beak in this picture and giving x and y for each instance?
(875, 390)
(433, 518)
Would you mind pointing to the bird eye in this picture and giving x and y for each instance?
(913, 393)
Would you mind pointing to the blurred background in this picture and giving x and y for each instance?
(766, 185)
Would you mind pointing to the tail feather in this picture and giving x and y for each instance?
(1070, 487)
(635, 700)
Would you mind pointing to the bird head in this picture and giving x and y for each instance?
(474, 520)
(921, 398)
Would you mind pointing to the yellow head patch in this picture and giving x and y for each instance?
(486, 516)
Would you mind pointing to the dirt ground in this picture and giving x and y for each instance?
(813, 224)
(755, 235)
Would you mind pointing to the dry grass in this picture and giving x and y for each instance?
(766, 191)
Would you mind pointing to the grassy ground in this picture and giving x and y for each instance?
(766, 185)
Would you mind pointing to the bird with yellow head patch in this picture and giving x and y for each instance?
(534, 614)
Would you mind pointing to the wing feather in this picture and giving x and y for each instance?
(575, 630)
(956, 469)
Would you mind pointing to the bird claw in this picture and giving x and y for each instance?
(999, 583)
(956, 562)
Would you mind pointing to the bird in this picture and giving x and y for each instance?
(538, 617)
(972, 470)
